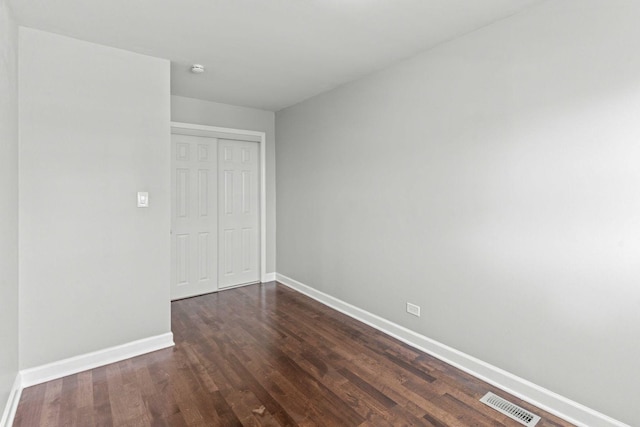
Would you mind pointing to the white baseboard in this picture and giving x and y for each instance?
(12, 403)
(83, 362)
(544, 399)
(268, 277)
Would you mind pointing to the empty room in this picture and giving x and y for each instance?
(320, 213)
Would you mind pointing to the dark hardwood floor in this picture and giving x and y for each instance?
(267, 355)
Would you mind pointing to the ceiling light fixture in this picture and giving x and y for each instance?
(197, 68)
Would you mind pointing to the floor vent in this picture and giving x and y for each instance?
(523, 416)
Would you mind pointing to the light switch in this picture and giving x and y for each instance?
(143, 199)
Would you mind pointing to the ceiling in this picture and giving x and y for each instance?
(266, 54)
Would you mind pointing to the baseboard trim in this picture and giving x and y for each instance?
(12, 403)
(268, 277)
(544, 399)
(83, 362)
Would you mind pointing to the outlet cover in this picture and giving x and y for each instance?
(413, 309)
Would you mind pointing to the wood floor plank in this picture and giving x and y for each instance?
(101, 401)
(51, 408)
(30, 406)
(363, 385)
(68, 400)
(265, 355)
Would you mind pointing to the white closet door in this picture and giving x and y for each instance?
(194, 216)
(238, 214)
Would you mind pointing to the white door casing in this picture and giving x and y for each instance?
(238, 213)
(194, 239)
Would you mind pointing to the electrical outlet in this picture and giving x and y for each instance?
(413, 309)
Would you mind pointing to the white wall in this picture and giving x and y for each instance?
(94, 130)
(8, 202)
(196, 111)
(495, 182)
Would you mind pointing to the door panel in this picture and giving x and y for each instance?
(239, 247)
(194, 216)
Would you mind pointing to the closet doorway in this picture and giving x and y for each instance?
(217, 209)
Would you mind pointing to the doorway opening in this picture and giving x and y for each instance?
(218, 206)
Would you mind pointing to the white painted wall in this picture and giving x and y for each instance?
(94, 130)
(494, 181)
(196, 111)
(8, 202)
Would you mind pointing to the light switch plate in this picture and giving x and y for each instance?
(143, 199)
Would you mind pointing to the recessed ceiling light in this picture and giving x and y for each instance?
(197, 68)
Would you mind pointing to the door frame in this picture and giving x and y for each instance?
(180, 128)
